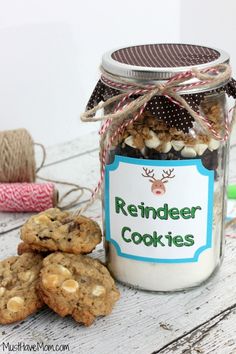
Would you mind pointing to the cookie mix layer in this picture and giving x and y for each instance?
(150, 138)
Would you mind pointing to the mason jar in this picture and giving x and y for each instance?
(165, 168)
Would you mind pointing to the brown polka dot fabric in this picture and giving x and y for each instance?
(165, 55)
(161, 107)
(173, 115)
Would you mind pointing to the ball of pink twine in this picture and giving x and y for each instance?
(18, 172)
(27, 197)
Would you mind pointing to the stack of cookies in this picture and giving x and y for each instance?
(52, 269)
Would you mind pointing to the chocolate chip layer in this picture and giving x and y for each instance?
(209, 158)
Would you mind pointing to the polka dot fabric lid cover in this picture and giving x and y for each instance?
(160, 62)
(165, 55)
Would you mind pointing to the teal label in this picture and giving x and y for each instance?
(159, 211)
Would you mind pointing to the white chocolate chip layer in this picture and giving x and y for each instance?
(188, 152)
(15, 304)
(70, 286)
(2, 291)
(177, 144)
(213, 144)
(152, 142)
(166, 147)
(98, 290)
(200, 148)
(130, 141)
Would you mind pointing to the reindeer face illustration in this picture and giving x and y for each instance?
(158, 186)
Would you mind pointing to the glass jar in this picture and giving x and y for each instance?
(165, 174)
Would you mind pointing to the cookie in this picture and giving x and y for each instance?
(19, 276)
(25, 247)
(54, 230)
(77, 285)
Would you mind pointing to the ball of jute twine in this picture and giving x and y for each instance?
(17, 164)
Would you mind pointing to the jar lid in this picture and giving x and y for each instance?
(151, 62)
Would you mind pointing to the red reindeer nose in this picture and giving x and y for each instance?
(158, 189)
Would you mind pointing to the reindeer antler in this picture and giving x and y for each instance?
(168, 174)
(149, 173)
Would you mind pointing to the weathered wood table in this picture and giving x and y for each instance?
(201, 320)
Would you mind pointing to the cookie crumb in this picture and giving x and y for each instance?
(165, 326)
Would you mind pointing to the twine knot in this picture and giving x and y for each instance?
(136, 96)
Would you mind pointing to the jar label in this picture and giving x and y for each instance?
(159, 211)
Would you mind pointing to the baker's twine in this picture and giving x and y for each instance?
(208, 79)
(17, 164)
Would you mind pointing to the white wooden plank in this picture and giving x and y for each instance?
(61, 152)
(141, 322)
(83, 170)
(216, 336)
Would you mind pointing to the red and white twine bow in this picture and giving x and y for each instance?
(136, 97)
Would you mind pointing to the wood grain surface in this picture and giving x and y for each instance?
(201, 320)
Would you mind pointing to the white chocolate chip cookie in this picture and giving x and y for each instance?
(19, 277)
(56, 230)
(77, 285)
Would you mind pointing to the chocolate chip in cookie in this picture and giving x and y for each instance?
(77, 285)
